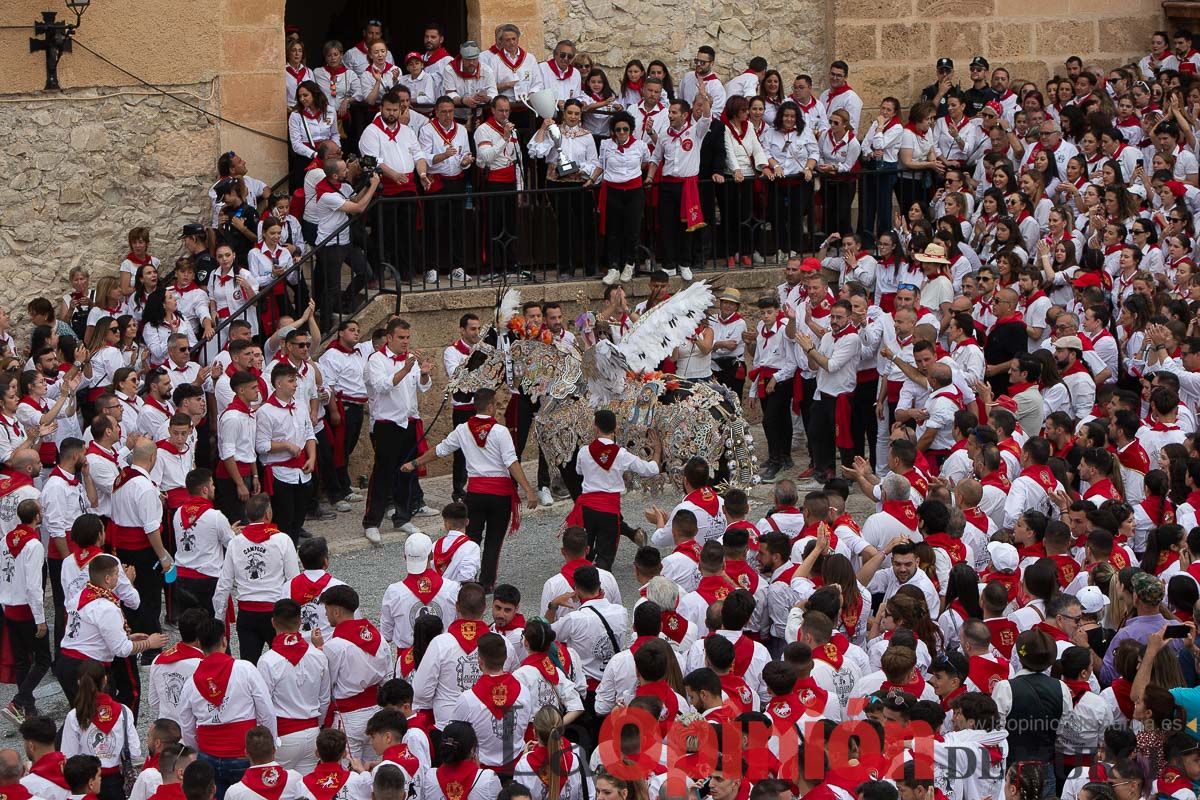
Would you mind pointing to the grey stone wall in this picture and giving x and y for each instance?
(82, 170)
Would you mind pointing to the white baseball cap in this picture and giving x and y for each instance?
(1092, 599)
(417, 548)
(1003, 555)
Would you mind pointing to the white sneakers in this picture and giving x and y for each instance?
(670, 271)
(431, 277)
(458, 275)
(612, 277)
(756, 257)
(544, 497)
(685, 273)
(409, 529)
(627, 273)
(372, 536)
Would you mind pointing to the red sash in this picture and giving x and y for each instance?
(503, 487)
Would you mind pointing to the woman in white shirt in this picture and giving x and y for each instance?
(771, 91)
(160, 321)
(311, 122)
(460, 776)
(104, 357)
(794, 148)
(622, 199)
(881, 153)
(744, 157)
(295, 73)
(97, 725)
(1033, 184)
(919, 160)
(269, 260)
(232, 289)
(380, 76)
(573, 209)
(838, 153)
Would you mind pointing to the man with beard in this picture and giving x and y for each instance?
(463, 404)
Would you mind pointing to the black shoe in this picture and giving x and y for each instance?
(302, 534)
(788, 464)
(769, 471)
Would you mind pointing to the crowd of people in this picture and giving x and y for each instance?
(1006, 371)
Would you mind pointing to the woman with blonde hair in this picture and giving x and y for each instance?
(553, 768)
(610, 787)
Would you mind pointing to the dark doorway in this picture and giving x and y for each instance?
(403, 26)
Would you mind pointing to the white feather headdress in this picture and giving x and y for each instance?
(665, 326)
(510, 304)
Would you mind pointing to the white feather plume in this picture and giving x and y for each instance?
(664, 327)
(510, 304)
(604, 370)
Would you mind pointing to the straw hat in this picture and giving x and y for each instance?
(730, 295)
(934, 254)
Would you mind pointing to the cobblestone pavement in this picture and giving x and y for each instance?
(528, 559)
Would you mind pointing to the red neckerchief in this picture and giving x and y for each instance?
(846, 331)
(401, 756)
(706, 500)
(836, 145)
(304, 589)
(663, 692)
(457, 780)
(361, 633)
(605, 455)
(325, 187)
(1035, 550)
(18, 537)
(967, 342)
(107, 713)
(1121, 689)
(690, 548)
(986, 673)
(165, 444)
(443, 555)
(713, 588)
(1165, 561)
(562, 76)
(953, 547)
(298, 74)
(915, 685)
(259, 532)
(50, 767)
(291, 646)
(212, 677)
(948, 699)
(387, 67)
(902, 511)
(326, 780)
(832, 93)
(674, 626)
(568, 569)
(517, 623)
(1053, 632)
(275, 401)
(1159, 510)
(180, 652)
(11, 480)
(467, 632)
(917, 480)
(192, 509)
(141, 261)
(433, 56)
(391, 134)
(85, 554)
(15, 426)
(732, 127)
(851, 614)
(830, 653)
(480, 427)
(545, 666)
(269, 780)
(1134, 457)
(498, 693)
(1016, 316)
(538, 758)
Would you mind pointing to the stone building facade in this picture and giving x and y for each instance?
(109, 153)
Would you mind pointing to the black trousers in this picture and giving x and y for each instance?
(487, 525)
(325, 482)
(327, 280)
(810, 388)
(149, 584)
(289, 506)
(839, 195)
(227, 501)
(112, 787)
(459, 489)
(777, 421)
(394, 445)
(864, 425)
(789, 206)
(679, 248)
(353, 423)
(31, 659)
(737, 217)
(501, 230)
(526, 410)
(125, 681)
(726, 373)
(603, 530)
(822, 436)
(196, 593)
(575, 218)
(444, 226)
(255, 634)
(623, 224)
(398, 218)
(54, 569)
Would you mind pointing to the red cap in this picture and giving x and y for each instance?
(1177, 188)
(411, 55)
(291, 29)
(995, 106)
(1007, 403)
(1085, 279)
(810, 264)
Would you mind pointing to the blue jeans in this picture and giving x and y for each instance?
(226, 771)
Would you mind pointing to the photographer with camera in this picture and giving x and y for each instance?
(237, 221)
(397, 155)
(333, 207)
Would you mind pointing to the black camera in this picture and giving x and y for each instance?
(370, 166)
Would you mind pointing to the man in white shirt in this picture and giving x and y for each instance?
(258, 564)
(746, 85)
(517, 71)
(136, 537)
(492, 469)
(422, 591)
(935, 428)
(201, 536)
(174, 667)
(67, 493)
(702, 75)
(836, 359)
(840, 95)
(559, 75)
(455, 555)
(332, 207)
(359, 661)
(1031, 489)
(904, 571)
(496, 706)
(297, 678)
(466, 80)
(462, 404)
(266, 777)
(435, 56)
(394, 376)
(701, 500)
(287, 446)
(771, 381)
(447, 146)
(602, 464)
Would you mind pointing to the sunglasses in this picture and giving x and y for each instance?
(301, 344)
(622, 129)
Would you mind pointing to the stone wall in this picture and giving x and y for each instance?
(791, 34)
(891, 45)
(89, 166)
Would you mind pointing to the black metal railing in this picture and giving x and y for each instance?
(551, 231)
